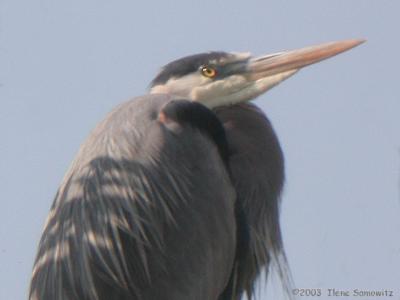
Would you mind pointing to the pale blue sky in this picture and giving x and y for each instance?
(64, 65)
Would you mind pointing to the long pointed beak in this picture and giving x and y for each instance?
(254, 76)
(287, 63)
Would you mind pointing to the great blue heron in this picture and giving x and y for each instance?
(175, 195)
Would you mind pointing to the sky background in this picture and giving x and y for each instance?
(65, 64)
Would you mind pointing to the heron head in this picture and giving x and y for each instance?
(219, 78)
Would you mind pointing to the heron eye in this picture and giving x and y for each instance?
(209, 72)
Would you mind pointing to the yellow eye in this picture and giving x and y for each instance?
(208, 72)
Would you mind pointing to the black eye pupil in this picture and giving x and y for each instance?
(208, 71)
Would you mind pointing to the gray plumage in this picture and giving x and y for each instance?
(175, 195)
(130, 211)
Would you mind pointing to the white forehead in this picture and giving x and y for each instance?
(233, 57)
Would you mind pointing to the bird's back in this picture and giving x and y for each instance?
(146, 211)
